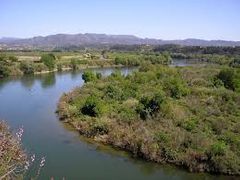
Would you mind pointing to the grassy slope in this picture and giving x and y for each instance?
(195, 125)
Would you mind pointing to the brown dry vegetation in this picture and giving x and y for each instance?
(11, 155)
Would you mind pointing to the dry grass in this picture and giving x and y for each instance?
(11, 154)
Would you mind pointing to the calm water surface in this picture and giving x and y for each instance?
(31, 102)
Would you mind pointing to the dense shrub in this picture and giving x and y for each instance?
(235, 62)
(230, 78)
(119, 60)
(176, 87)
(161, 137)
(218, 148)
(99, 128)
(149, 106)
(179, 115)
(99, 75)
(114, 92)
(92, 107)
(59, 67)
(49, 60)
(74, 64)
(27, 67)
(13, 58)
(189, 124)
(89, 76)
(4, 69)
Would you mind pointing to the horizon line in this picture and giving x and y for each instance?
(137, 36)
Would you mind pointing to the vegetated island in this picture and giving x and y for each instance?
(188, 116)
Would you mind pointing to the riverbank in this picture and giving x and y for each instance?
(183, 116)
(80, 68)
(20, 63)
(12, 157)
(8, 67)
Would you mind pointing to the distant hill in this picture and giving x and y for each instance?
(64, 40)
(8, 39)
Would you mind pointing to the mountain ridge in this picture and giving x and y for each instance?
(80, 39)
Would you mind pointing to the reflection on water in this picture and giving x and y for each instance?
(74, 74)
(27, 81)
(31, 101)
(48, 80)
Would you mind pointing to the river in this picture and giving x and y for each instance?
(31, 102)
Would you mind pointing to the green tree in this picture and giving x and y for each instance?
(49, 60)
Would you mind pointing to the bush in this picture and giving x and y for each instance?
(189, 124)
(120, 60)
(89, 76)
(2, 58)
(73, 64)
(100, 128)
(146, 66)
(99, 76)
(4, 69)
(149, 106)
(40, 67)
(218, 149)
(117, 75)
(92, 107)
(49, 60)
(226, 76)
(127, 114)
(27, 68)
(176, 88)
(235, 62)
(83, 62)
(230, 79)
(161, 137)
(217, 82)
(114, 92)
(13, 58)
(59, 67)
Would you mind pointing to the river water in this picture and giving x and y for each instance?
(31, 102)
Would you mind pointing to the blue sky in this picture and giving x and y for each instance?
(163, 19)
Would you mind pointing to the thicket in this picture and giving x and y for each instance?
(186, 116)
